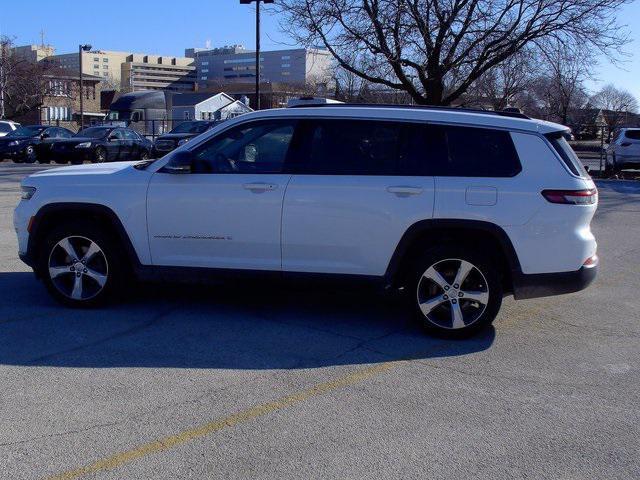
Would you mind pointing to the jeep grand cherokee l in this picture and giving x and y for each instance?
(455, 208)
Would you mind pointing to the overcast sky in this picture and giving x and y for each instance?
(168, 27)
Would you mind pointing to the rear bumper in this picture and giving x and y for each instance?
(548, 284)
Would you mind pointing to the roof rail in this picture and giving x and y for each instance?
(500, 113)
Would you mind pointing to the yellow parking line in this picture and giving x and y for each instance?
(119, 459)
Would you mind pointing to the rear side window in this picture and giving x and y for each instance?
(353, 147)
(5, 128)
(568, 156)
(632, 134)
(477, 152)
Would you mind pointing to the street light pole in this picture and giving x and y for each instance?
(82, 48)
(257, 45)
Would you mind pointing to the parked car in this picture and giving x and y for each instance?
(7, 126)
(451, 208)
(31, 143)
(180, 135)
(102, 144)
(624, 150)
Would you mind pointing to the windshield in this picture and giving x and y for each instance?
(191, 127)
(93, 132)
(26, 132)
(116, 115)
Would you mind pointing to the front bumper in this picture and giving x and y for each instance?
(15, 152)
(548, 284)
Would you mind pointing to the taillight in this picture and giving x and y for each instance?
(571, 197)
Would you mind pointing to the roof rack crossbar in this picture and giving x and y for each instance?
(422, 107)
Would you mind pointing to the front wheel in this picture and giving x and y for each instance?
(80, 264)
(457, 292)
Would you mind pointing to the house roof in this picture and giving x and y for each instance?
(191, 99)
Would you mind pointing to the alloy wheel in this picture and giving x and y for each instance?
(452, 293)
(78, 268)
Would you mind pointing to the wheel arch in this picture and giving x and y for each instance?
(475, 233)
(53, 214)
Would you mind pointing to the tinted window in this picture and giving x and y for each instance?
(117, 134)
(191, 127)
(632, 134)
(5, 127)
(567, 154)
(93, 132)
(129, 135)
(475, 152)
(64, 133)
(26, 132)
(353, 147)
(250, 148)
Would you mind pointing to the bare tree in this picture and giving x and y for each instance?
(560, 87)
(503, 85)
(436, 49)
(23, 85)
(616, 104)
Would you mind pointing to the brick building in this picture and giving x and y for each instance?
(60, 103)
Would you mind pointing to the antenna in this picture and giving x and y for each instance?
(42, 37)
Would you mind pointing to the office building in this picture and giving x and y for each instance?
(133, 71)
(300, 66)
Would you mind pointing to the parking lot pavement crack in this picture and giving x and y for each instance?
(475, 374)
(121, 334)
(61, 434)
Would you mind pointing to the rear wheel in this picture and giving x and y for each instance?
(100, 155)
(80, 264)
(456, 291)
(30, 155)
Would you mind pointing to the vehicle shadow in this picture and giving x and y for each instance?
(227, 327)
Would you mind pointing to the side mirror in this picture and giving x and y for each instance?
(44, 135)
(112, 138)
(180, 162)
(607, 141)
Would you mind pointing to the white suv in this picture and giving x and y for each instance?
(455, 208)
(624, 150)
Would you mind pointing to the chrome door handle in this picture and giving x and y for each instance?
(402, 190)
(259, 187)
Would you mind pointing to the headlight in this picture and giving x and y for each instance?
(183, 141)
(27, 192)
(15, 143)
(84, 145)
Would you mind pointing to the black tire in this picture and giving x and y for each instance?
(99, 155)
(108, 267)
(483, 282)
(30, 154)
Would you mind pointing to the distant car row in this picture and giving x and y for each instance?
(107, 143)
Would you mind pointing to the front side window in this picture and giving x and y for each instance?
(353, 147)
(251, 148)
(5, 128)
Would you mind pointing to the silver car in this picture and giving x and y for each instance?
(624, 150)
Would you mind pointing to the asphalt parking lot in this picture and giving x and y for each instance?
(226, 383)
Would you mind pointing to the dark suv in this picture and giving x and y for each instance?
(180, 135)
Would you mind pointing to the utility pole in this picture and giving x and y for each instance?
(82, 48)
(245, 2)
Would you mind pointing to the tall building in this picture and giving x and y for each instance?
(152, 72)
(299, 66)
(101, 63)
(34, 53)
(133, 71)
